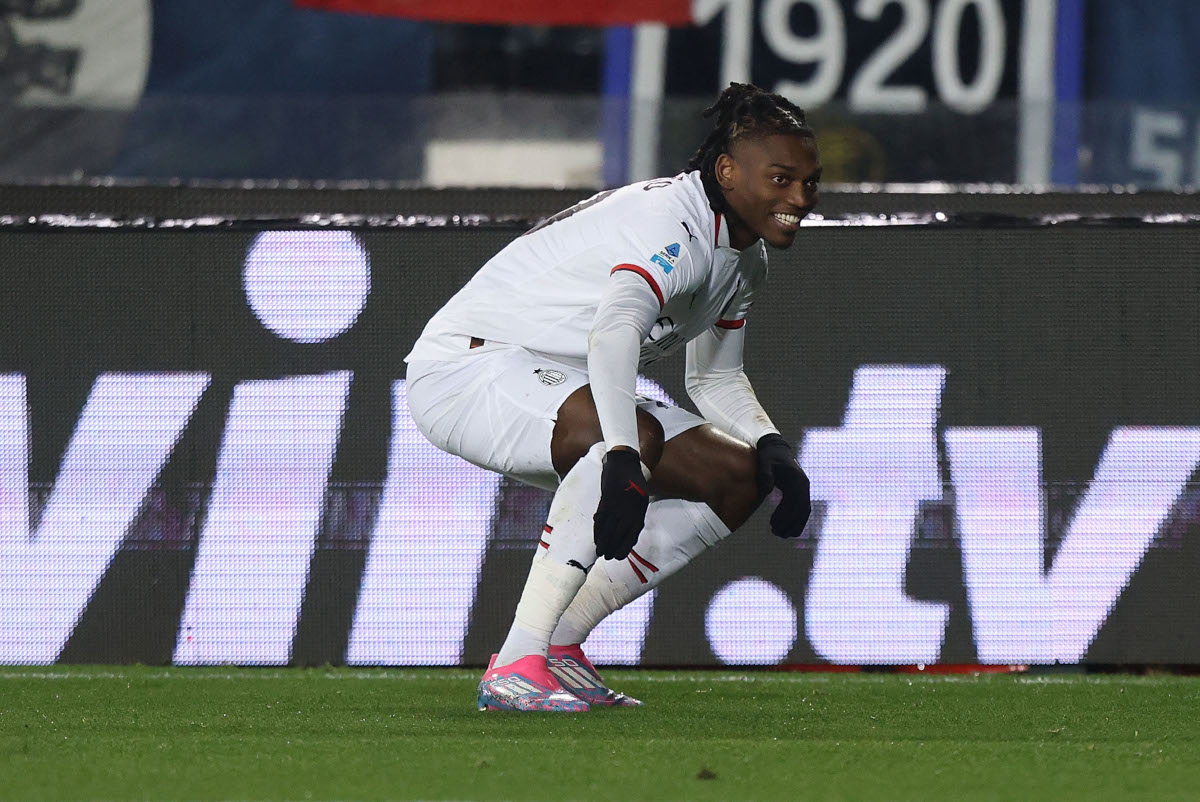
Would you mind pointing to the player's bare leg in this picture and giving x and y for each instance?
(701, 464)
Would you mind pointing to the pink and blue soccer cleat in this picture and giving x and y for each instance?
(526, 685)
(579, 676)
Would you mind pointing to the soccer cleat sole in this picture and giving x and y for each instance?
(612, 699)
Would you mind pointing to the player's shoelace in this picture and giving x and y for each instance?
(526, 685)
(579, 677)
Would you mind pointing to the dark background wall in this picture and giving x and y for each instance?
(1075, 330)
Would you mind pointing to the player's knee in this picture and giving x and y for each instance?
(743, 469)
(732, 483)
(567, 450)
(650, 439)
(577, 430)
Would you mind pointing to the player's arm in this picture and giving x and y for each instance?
(626, 313)
(717, 384)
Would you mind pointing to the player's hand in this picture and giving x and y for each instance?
(624, 496)
(777, 468)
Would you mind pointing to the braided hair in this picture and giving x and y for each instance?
(743, 111)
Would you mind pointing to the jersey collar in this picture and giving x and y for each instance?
(721, 238)
(722, 232)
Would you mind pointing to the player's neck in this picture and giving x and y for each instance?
(741, 236)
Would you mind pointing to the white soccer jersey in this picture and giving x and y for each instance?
(542, 291)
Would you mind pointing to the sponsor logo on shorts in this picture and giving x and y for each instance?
(550, 378)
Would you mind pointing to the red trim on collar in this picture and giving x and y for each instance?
(717, 235)
(731, 324)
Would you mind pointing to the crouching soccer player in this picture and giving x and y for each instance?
(530, 370)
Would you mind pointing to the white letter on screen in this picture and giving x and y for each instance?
(430, 536)
(1021, 614)
(873, 473)
(253, 554)
(124, 436)
(997, 478)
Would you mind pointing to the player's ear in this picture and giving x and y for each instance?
(726, 171)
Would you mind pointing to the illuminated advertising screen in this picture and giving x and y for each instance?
(206, 455)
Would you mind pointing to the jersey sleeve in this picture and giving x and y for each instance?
(656, 248)
(735, 312)
(623, 319)
(718, 385)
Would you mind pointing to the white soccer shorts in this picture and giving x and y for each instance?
(496, 407)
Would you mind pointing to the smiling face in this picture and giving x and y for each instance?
(770, 184)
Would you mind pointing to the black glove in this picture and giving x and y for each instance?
(624, 496)
(777, 468)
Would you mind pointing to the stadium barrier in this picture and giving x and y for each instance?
(206, 456)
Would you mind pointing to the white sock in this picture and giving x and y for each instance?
(676, 531)
(564, 555)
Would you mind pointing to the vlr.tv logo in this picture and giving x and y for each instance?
(871, 474)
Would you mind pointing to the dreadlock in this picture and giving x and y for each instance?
(743, 111)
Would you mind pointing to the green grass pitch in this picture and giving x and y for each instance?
(153, 733)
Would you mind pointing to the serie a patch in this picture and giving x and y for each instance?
(667, 257)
